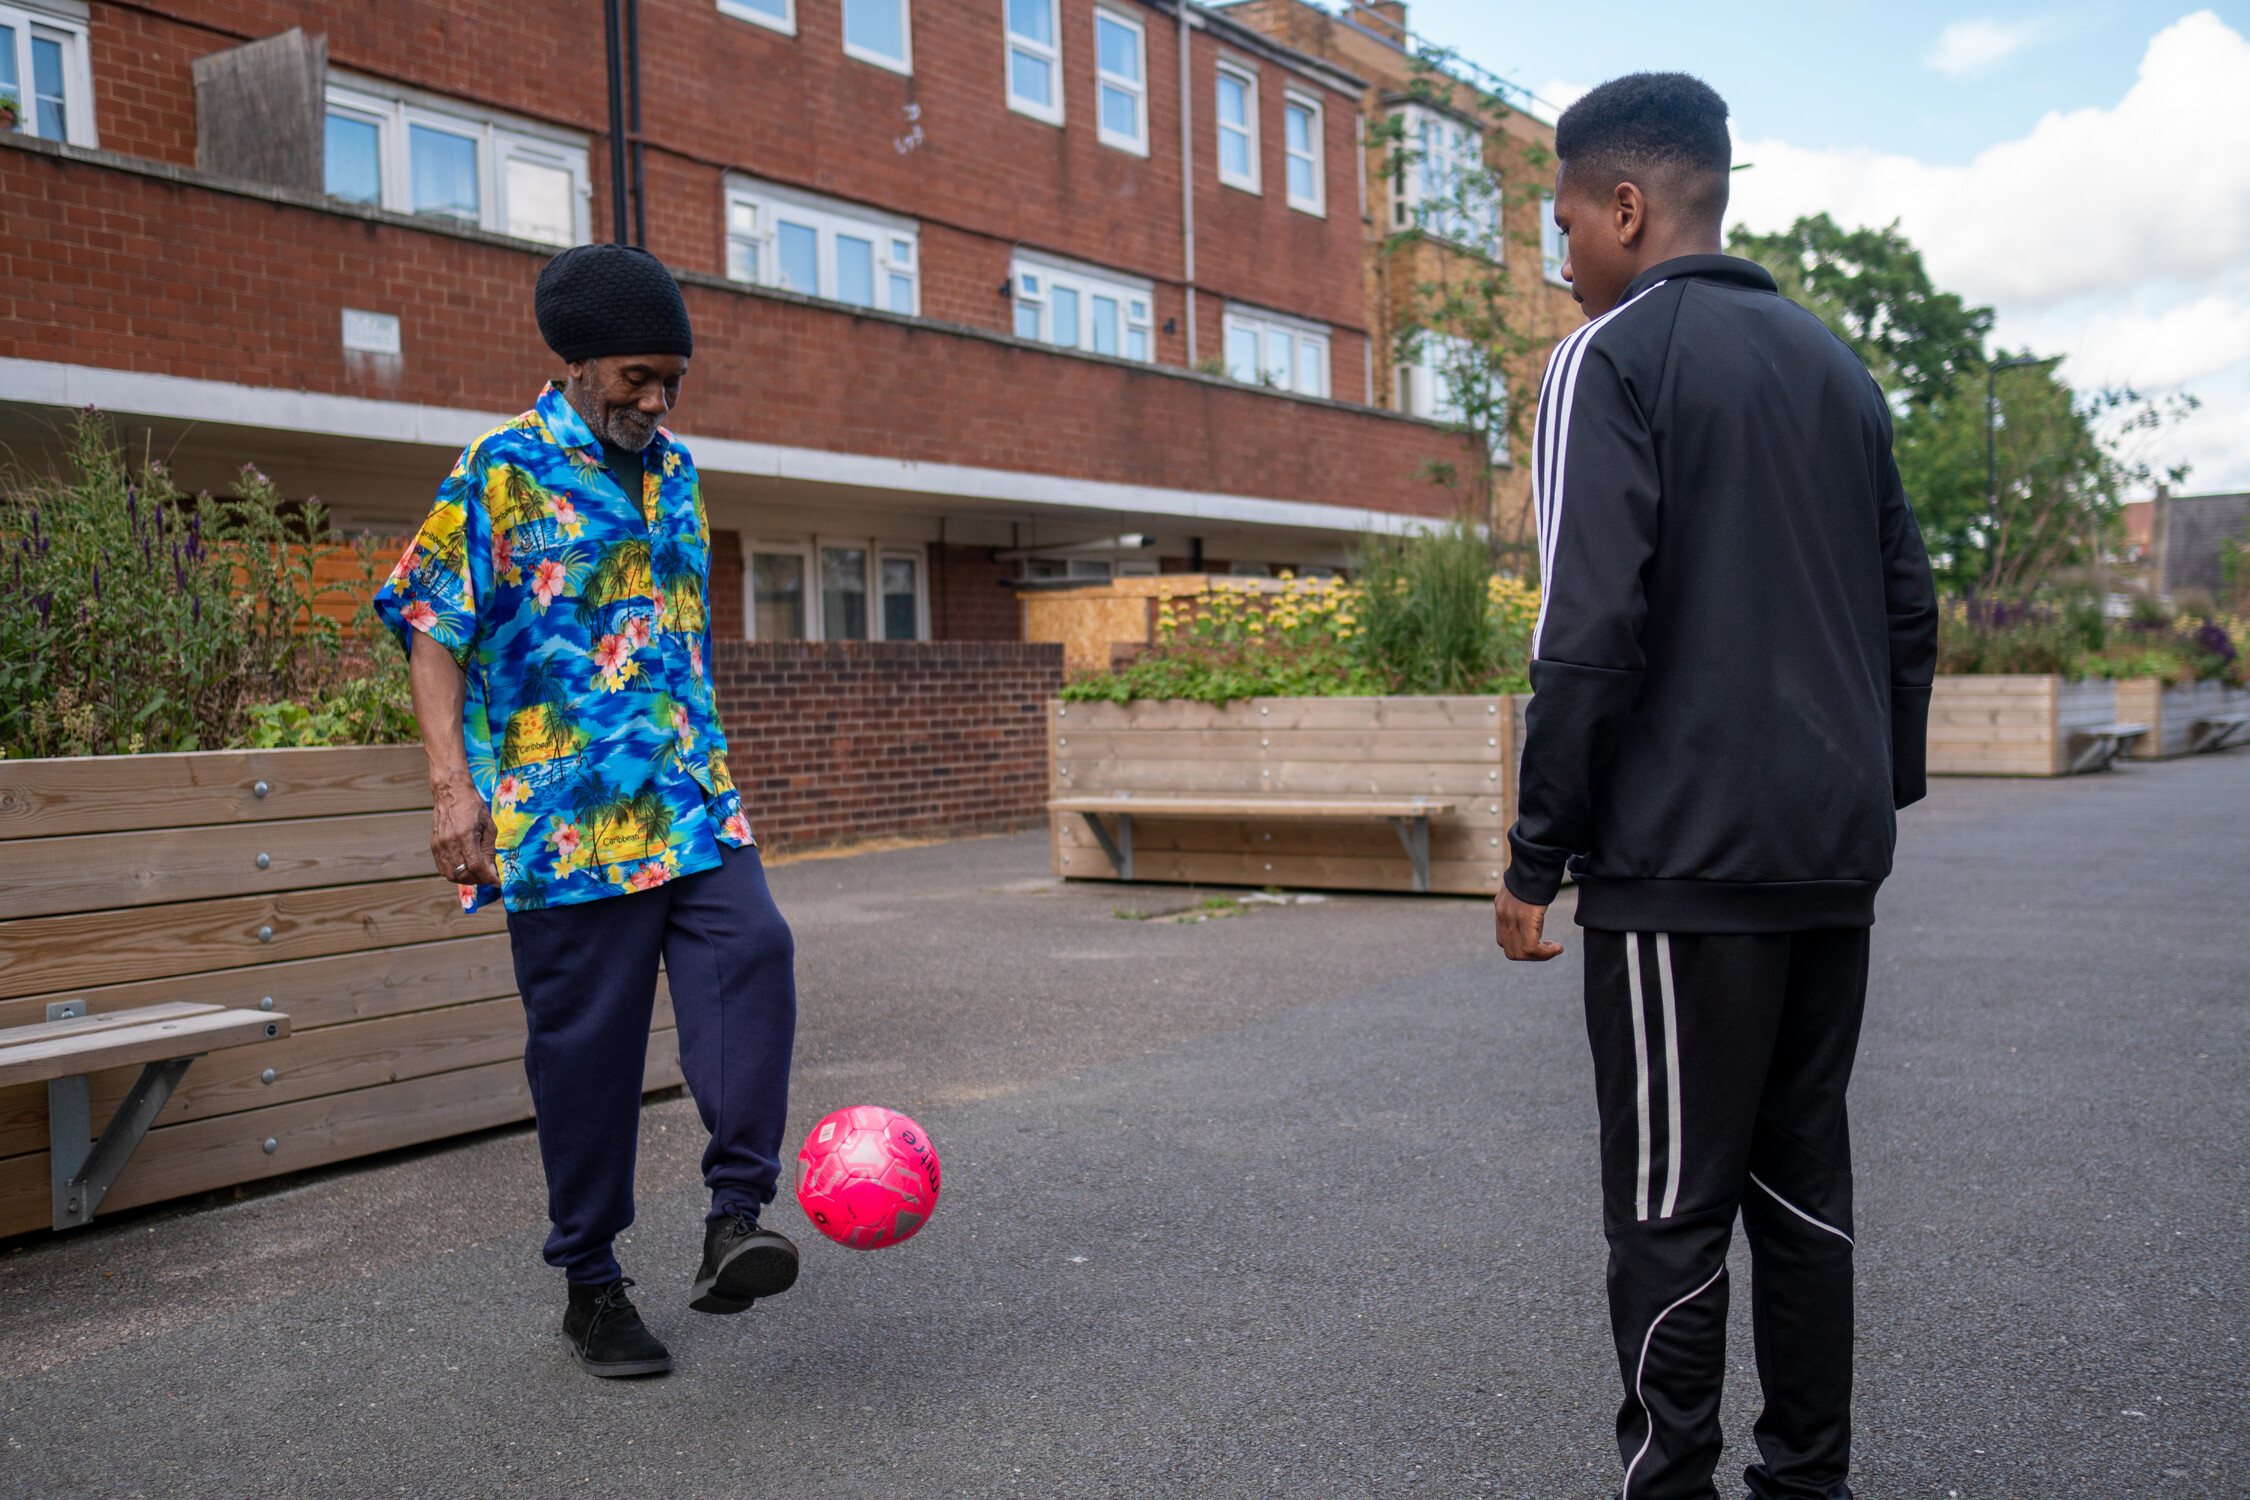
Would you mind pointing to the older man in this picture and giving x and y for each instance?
(555, 609)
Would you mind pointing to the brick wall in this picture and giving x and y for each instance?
(967, 602)
(726, 586)
(842, 740)
(109, 267)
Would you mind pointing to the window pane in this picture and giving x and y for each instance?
(843, 593)
(1234, 153)
(1299, 124)
(742, 259)
(1027, 320)
(1234, 102)
(1029, 78)
(1279, 357)
(1034, 20)
(539, 202)
(445, 173)
(47, 84)
(797, 253)
(1119, 47)
(902, 294)
(899, 623)
(855, 270)
(1301, 184)
(1136, 343)
(777, 588)
(354, 159)
(742, 218)
(1242, 352)
(778, 9)
(1121, 113)
(1087, 567)
(8, 79)
(1065, 329)
(1105, 325)
(876, 26)
(1312, 367)
(902, 253)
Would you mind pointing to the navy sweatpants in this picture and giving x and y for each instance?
(588, 977)
(1720, 1062)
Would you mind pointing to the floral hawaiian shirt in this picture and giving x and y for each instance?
(582, 618)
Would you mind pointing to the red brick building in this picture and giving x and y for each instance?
(957, 318)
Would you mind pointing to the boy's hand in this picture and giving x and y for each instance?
(1518, 927)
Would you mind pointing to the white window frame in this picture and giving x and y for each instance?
(498, 139)
(1247, 76)
(1554, 245)
(920, 555)
(1032, 280)
(1317, 204)
(78, 73)
(785, 23)
(1012, 42)
(808, 579)
(1420, 388)
(903, 64)
(1429, 178)
(826, 217)
(1137, 143)
(1265, 326)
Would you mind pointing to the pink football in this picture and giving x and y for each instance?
(867, 1177)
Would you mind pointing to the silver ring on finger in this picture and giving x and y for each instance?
(459, 871)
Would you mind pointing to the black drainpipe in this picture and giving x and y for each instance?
(633, 65)
(617, 189)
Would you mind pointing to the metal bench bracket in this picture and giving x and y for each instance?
(2216, 732)
(82, 1169)
(1414, 833)
(1120, 848)
(2095, 746)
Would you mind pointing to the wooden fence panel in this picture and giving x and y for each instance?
(122, 793)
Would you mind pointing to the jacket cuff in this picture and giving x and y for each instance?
(1910, 745)
(1534, 886)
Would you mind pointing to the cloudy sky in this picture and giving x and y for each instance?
(2083, 169)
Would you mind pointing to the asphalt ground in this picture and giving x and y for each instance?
(1299, 1201)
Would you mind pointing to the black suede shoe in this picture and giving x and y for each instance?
(607, 1335)
(742, 1263)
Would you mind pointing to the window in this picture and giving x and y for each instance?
(1287, 355)
(1444, 190)
(880, 32)
(1082, 309)
(781, 15)
(1433, 383)
(1554, 245)
(406, 155)
(1119, 67)
(777, 593)
(781, 237)
(1301, 146)
(902, 596)
(1238, 128)
(1035, 60)
(45, 77)
(843, 593)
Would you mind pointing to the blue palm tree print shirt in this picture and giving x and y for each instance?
(581, 616)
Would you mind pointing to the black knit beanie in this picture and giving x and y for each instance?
(594, 300)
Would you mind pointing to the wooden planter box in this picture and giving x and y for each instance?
(1460, 749)
(135, 880)
(2013, 725)
(2174, 710)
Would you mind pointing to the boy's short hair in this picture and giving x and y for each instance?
(1666, 132)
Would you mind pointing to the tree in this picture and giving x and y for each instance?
(2062, 460)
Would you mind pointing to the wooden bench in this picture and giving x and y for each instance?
(63, 1052)
(2092, 747)
(1408, 816)
(2216, 731)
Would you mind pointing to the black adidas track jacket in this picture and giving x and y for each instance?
(1737, 631)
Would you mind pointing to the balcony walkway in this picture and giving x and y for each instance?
(1300, 1201)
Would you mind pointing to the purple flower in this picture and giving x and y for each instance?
(2214, 640)
(97, 584)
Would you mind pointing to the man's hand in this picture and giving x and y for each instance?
(1518, 925)
(461, 834)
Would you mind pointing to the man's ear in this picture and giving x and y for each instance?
(1629, 213)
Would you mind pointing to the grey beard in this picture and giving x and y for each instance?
(616, 425)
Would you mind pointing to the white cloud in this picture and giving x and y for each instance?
(1970, 47)
(2119, 235)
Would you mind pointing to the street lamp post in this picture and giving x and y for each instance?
(1992, 409)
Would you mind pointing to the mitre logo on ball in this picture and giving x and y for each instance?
(868, 1177)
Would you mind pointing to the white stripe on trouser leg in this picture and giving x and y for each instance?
(1640, 1072)
(1625, 1490)
(1800, 1213)
(1671, 1075)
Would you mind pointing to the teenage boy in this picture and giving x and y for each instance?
(555, 609)
(1731, 677)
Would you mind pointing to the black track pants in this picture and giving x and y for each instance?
(1721, 1062)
